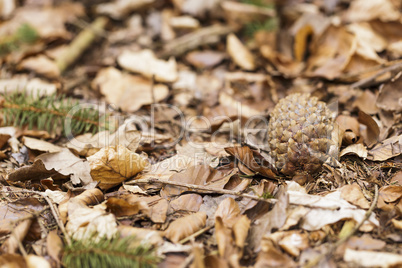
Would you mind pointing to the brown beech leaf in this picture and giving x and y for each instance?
(386, 149)
(356, 149)
(246, 156)
(146, 63)
(229, 211)
(49, 164)
(187, 202)
(41, 65)
(391, 193)
(114, 164)
(185, 226)
(16, 237)
(366, 102)
(54, 245)
(240, 230)
(350, 127)
(120, 207)
(224, 239)
(40, 145)
(200, 175)
(353, 194)
(240, 53)
(372, 132)
(390, 95)
(129, 92)
(12, 260)
(86, 198)
(270, 256)
(152, 237)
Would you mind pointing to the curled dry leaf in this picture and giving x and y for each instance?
(372, 133)
(356, 149)
(114, 164)
(129, 92)
(239, 53)
(90, 223)
(229, 211)
(185, 226)
(367, 10)
(240, 230)
(87, 198)
(224, 239)
(146, 63)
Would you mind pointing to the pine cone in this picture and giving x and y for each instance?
(299, 134)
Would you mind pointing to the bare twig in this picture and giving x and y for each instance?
(83, 40)
(204, 36)
(332, 249)
(202, 188)
(371, 79)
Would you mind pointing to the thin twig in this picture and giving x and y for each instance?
(332, 249)
(366, 81)
(54, 211)
(202, 188)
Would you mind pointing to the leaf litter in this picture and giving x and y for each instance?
(183, 167)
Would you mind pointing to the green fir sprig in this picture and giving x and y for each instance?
(116, 252)
(24, 35)
(51, 113)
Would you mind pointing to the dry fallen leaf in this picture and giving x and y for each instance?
(239, 53)
(390, 96)
(386, 149)
(356, 149)
(120, 207)
(353, 194)
(129, 92)
(90, 223)
(62, 163)
(40, 145)
(114, 164)
(229, 211)
(366, 258)
(41, 65)
(54, 245)
(146, 63)
(185, 226)
(121, 8)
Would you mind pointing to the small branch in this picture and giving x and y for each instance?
(81, 42)
(332, 249)
(202, 188)
(371, 79)
(204, 36)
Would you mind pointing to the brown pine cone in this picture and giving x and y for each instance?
(299, 134)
